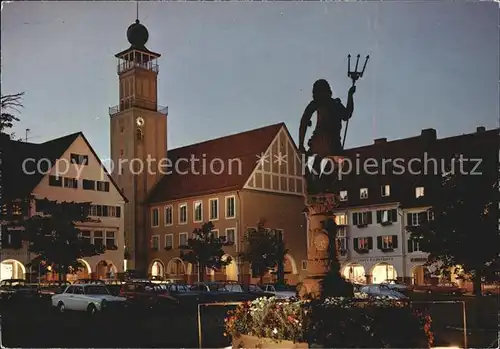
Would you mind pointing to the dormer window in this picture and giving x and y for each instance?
(363, 193)
(343, 195)
(419, 192)
(385, 190)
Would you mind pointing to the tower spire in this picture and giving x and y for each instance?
(137, 11)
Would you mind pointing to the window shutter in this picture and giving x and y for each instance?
(394, 215)
(355, 242)
(394, 241)
(410, 245)
(408, 219)
(118, 211)
(346, 243)
(379, 242)
(106, 186)
(379, 216)
(422, 217)
(369, 217)
(105, 211)
(355, 219)
(370, 243)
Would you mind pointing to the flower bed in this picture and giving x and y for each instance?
(333, 323)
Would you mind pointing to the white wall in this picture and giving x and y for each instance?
(92, 171)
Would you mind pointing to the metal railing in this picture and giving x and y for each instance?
(128, 65)
(464, 313)
(138, 103)
(223, 304)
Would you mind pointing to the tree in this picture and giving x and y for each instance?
(264, 250)
(463, 229)
(10, 104)
(55, 238)
(205, 250)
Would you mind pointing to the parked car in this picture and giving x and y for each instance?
(89, 282)
(53, 287)
(397, 285)
(382, 291)
(91, 298)
(114, 286)
(280, 291)
(443, 288)
(257, 291)
(148, 295)
(18, 289)
(182, 293)
(491, 289)
(213, 292)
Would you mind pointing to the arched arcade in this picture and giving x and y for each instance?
(12, 269)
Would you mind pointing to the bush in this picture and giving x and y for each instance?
(333, 323)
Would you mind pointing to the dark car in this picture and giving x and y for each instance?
(89, 282)
(182, 293)
(114, 286)
(51, 288)
(217, 292)
(147, 295)
(18, 289)
(257, 291)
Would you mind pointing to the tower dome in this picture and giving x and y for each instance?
(137, 35)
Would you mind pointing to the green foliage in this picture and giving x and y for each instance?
(265, 250)
(464, 229)
(10, 104)
(205, 250)
(54, 237)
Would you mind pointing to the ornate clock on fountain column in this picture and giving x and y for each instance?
(320, 241)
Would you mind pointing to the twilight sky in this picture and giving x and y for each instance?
(230, 67)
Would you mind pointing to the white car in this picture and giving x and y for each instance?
(382, 291)
(91, 298)
(279, 293)
(396, 285)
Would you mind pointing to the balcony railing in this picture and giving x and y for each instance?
(128, 65)
(137, 103)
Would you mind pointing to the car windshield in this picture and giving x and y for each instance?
(96, 290)
(234, 288)
(255, 288)
(16, 283)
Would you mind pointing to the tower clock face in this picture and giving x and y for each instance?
(321, 242)
(139, 121)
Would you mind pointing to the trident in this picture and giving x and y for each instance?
(354, 75)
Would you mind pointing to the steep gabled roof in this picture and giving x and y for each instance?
(19, 181)
(238, 150)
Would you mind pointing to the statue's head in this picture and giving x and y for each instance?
(321, 90)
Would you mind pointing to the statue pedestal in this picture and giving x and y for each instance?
(320, 207)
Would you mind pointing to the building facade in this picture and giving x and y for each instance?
(64, 170)
(383, 191)
(171, 194)
(260, 181)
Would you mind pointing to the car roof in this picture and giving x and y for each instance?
(91, 284)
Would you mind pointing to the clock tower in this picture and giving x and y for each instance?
(138, 127)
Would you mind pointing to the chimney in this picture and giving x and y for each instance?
(480, 129)
(429, 134)
(380, 141)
